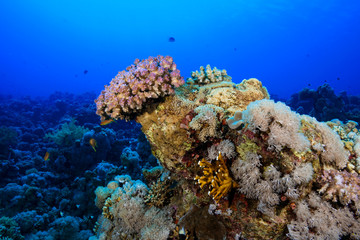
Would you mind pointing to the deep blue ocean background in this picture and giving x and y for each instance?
(47, 45)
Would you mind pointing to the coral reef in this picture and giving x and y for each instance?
(50, 199)
(125, 212)
(7, 138)
(143, 82)
(285, 176)
(325, 105)
(67, 134)
(10, 229)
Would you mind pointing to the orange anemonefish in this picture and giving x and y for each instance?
(93, 143)
(46, 156)
(106, 122)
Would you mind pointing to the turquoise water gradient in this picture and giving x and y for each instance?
(46, 46)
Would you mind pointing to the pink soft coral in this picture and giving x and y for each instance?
(143, 81)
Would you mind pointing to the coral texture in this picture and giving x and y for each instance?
(217, 177)
(277, 164)
(67, 134)
(317, 219)
(206, 121)
(282, 124)
(342, 187)
(208, 75)
(126, 213)
(143, 81)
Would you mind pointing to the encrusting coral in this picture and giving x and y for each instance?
(278, 175)
(343, 187)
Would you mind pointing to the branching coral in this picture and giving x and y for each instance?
(208, 75)
(159, 193)
(145, 80)
(216, 175)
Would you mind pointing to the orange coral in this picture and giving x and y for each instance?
(217, 176)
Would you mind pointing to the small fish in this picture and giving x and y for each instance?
(86, 71)
(338, 78)
(106, 122)
(93, 143)
(171, 39)
(46, 156)
(182, 234)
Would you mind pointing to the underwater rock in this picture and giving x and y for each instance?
(273, 162)
(325, 105)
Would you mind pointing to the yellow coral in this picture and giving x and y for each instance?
(217, 176)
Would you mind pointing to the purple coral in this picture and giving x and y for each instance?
(340, 186)
(143, 81)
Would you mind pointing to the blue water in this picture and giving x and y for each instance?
(48, 46)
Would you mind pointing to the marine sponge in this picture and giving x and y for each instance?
(145, 80)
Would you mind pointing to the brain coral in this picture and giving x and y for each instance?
(143, 82)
